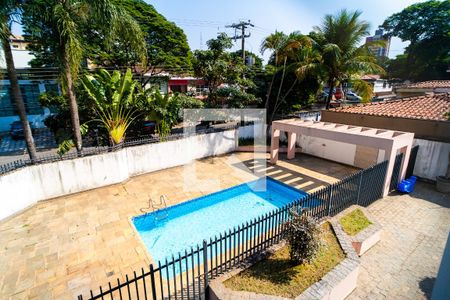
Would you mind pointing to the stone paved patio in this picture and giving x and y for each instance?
(66, 246)
(404, 264)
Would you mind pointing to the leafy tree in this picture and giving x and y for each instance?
(167, 44)
(234, 97)
(216, 66)
(10, 11)
(426, 26)
(288, 88)
(63, 21)
(341, 58)
(165, 110)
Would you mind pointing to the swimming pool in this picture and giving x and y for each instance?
(187, 224)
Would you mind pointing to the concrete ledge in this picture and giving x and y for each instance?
(367, 238)
(336, 284)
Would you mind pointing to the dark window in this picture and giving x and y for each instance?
(30, 94)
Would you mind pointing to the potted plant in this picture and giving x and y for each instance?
(443, 182)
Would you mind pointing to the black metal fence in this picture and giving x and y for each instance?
(17, 164)
(187, 275)
(412, 161)
(396, 171)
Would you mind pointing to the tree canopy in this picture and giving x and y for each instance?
(216, 66)
(426, 26)
(165, 42)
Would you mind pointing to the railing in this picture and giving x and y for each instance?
(187, 275)
(17, 164)
(412, 161)
(396, 172)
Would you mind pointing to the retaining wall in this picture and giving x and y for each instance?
(24, 187)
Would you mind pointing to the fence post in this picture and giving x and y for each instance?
(152, 280)
(330, 198)
(359, 186)
(205, 268)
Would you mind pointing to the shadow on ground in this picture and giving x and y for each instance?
(426, 286)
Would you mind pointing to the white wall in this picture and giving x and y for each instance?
(432, 158)
(332, 150)
(249, 131)
(24, 187)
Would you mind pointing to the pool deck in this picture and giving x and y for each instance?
(63, 247)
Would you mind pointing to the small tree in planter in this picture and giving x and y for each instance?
(303, 236)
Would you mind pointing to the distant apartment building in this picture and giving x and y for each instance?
(379, 51)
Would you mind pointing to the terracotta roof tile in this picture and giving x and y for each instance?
(428, 107)
(432, 84)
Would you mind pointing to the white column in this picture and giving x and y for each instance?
(292, 138)
(275, 145)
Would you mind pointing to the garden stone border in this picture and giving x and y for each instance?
(367, 238)
(336, 284)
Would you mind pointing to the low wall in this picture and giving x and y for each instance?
(24, 187)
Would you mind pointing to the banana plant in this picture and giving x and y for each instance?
(114, 98)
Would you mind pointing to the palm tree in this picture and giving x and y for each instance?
(286, 49)
(9, 12)
(342, 60)
(274, 43)
(68, 18)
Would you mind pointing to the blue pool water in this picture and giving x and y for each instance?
(189, 223)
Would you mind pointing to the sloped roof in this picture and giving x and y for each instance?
(432, 84)
(428, 107)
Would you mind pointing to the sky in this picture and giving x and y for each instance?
(201, 20)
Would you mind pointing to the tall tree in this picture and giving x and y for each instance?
(65, 20)
(216, 66)
(167, 44)
(287, 50)
(341, 58)
(274, 42)
(10, 11)
(426, 26)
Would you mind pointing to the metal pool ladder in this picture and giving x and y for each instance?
(159, 209)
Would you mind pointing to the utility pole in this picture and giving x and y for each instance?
(242, 26)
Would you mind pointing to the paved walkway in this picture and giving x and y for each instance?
(404, 264)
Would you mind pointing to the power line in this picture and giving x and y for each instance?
(242, 26)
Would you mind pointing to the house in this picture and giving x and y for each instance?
(425, 116)
(382, 88)
(422, 88)
(32, 83)
(21, 55)
(191, 85)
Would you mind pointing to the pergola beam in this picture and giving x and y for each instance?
(389, 141)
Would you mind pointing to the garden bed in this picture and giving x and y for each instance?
(331, 275)
(362, 229)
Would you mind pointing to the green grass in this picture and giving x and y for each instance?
(354, 222)
(277, 275)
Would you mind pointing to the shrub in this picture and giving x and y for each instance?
(303, 235)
